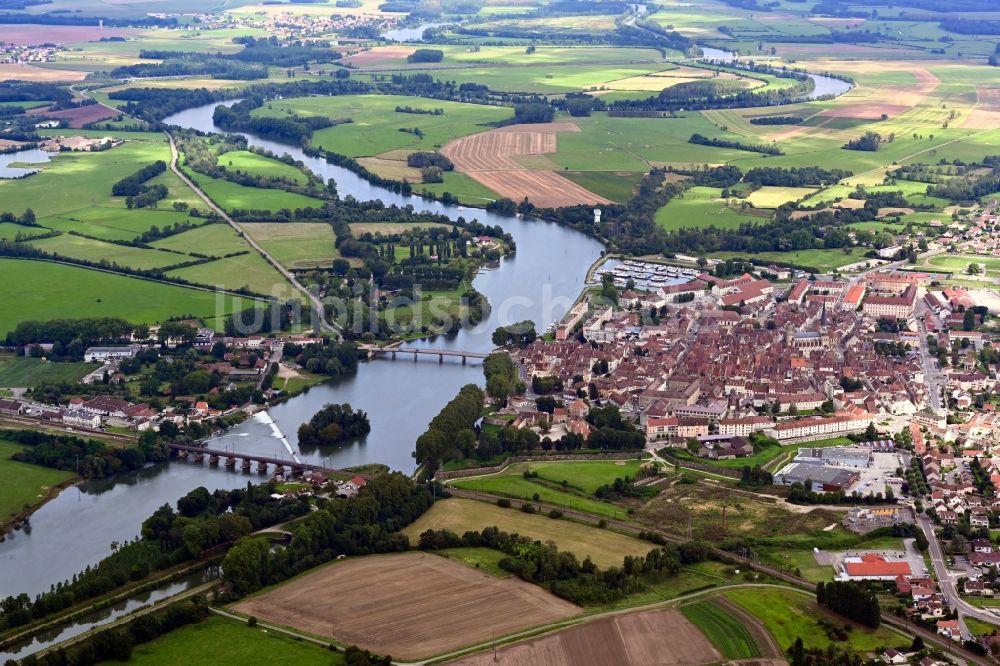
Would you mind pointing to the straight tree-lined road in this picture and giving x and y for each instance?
(316, 303)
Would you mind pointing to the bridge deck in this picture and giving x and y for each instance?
(285, 462)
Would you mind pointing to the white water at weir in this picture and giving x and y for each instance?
(265, 417)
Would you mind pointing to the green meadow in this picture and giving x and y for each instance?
(700, 207)
(23, 485)
(376, 123)
(60, 291)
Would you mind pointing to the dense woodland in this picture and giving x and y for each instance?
(332, 425)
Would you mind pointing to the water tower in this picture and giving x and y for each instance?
(597, 216)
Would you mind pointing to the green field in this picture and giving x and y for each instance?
(605, 547)
(257, 165)
(585, 475)
(21, 372)
(248, 270)
(214, 240)
(376, 125)
(88, 249)
(296, 244)
(231, 196)
(110, 223)
(514, 484)
(219, 642)
(788, 615)
(700, 207)
(59, 291)
(484, 559)
(822, 259)
(724, 631)
(617, 186)
(23, 485)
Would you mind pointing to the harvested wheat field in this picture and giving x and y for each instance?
(78, 117)
(651, 638)
(17, 72)
(865, 111)
(409, 605)
(378, 55)
(22, 34)
(488, 159)
(986, 115)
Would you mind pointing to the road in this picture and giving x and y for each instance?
(932, 373)
(947, 582)
(316, 302)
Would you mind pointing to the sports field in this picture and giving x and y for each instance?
(23, 485)
(605, 548)
(409, 605)
(59, 291)
(26, 372)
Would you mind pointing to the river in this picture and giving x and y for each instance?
(539, 283)
(30, 156)
(85, 623)
(825, 85)
(414, 34)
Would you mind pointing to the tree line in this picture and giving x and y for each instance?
(362, 525)
(852, 600)
(560, 572)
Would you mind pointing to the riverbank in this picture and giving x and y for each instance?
(21, 519)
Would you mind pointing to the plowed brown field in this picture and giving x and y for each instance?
(651, 638)
(487, 159)
(79, 116)
(409, 605)
(986, 115)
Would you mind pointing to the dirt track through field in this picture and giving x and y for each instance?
(488, 159)
(649, 638)
(409, 605)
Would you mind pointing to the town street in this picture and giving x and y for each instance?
(946, 581)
